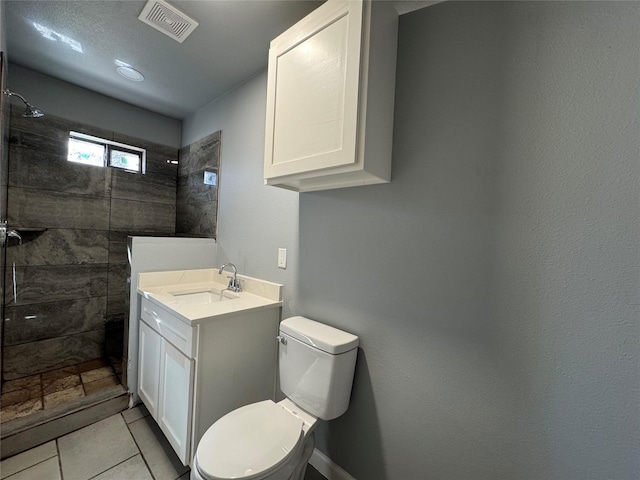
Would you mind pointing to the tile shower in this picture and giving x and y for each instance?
(70, 271)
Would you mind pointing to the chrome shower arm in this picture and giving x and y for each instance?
(30, 111)
(9, 93)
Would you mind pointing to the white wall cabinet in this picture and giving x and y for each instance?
(190, 375)
(330, 98)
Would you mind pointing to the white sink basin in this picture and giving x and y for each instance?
(203, 297)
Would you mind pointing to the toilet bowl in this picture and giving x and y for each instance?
(274, 441)
(264, 440)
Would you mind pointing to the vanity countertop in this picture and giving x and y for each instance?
(187, 294)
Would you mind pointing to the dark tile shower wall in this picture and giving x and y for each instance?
(71, 277)
(4, 165)
(197, 202)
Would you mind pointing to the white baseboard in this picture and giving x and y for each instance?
(327, 468)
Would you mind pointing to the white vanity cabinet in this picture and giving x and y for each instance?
(166, 374)
(149, 365)
(191, 373)
(330, 98)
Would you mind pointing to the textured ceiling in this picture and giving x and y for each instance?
(230, 45)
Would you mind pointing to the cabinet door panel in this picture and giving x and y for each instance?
(176, 395)
(312, 99)
(149, 368)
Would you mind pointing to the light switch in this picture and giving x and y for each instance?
(282, 258)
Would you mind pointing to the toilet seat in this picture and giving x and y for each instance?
(249, 442)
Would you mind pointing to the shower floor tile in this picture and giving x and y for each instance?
(18, 410)
(63, 396)
(20, 383)
(92, 365)
(101, 384)
(58, 373)
(52, 386)
(19, 396)
(97, 374)
(47, 390)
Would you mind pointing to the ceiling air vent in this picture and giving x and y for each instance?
(167, 19)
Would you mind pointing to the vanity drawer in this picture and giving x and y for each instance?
(175, 331)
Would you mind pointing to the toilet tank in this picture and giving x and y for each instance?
(316, 364)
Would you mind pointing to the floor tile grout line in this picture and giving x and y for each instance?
(138, 446)
(59, 459)
(114, 466)
(26, 468)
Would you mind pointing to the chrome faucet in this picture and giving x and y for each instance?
(234, 283)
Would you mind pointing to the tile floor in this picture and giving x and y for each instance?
(44, 391)
(126, 446)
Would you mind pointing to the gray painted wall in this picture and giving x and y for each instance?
(253, 220)
(494, 283)
(85, 106)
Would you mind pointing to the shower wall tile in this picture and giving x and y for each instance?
(71, 277)
(151, 217)
(159, 157)
(196, 203)
(41, 356)
(36, 208)
(153, 149)
(196, 219)
(203, 153)
(56, 283)
(192, 189)
(149, 187)
(38, 143)
(52, 126)
(41, 321)
(61, 247)
(117, 252)
(118, 243)
(46, 171)
(115, 305)
(117, 278)
(159, 165)
(4, 158)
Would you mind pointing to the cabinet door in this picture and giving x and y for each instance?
(149, 368)
(176, 399)
(312, 93)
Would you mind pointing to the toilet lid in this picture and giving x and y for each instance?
(248, 442)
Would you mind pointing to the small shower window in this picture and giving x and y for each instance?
(124, 159)
(89, 153)
(101, 152)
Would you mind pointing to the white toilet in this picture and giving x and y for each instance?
(273, 441)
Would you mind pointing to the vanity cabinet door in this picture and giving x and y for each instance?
(149, 368)
(176, 399)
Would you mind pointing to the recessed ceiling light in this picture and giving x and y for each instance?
(130, 73)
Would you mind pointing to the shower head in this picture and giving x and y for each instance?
(30, 111)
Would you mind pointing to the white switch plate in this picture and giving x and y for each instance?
(282, 258)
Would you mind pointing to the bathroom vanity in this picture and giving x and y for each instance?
(203, 350)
